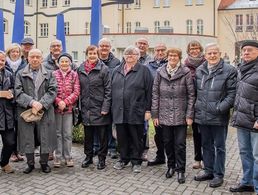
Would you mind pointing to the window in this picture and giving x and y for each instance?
(67, 28)
(26, 28)
(87, 28)
(54, 3)
(137, 24)
(188, 2)
(127, 6)
(156, 3)
(239, 23)
(166, 23)
(137, 3)
(199, 2)
(166, 3)
(128, 27)
(66, 3)
(249, 22)
(75, 56)
(44, 3)
(44, 29)
(156, 26)
(12, 1)
(189, 26)
(5, 26)
(200, 27)
(27, 2)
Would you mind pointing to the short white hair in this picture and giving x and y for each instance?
(105, 40)
(209, 45)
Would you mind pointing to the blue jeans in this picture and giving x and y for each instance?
(248, 148)
(214, 149)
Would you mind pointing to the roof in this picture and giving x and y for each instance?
(225, 3)
(237, 4)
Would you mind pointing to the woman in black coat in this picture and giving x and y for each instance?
(95, 100)
(6, 114)
(131, 104)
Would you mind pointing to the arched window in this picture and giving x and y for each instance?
(137, 24)
(189, 26)
(156, 26)
(200, 27)
(26, 28)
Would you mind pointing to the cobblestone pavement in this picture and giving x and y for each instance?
(79, 181)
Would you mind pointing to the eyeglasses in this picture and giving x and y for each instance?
(55, 46)
(194, 48)
(102, 46)
(133, 54)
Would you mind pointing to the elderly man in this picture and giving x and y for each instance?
(245, 117)
(216, 89)
(143, 45)
(50, 62)
(160, 59)
(26, 45)
(35, 88)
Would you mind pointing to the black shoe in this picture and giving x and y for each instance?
(170, 172)
(181, 177)
(241, 188)
(101, 165)
(45, 168)
(29, 169)
(216, 182)
(86, 163)
(155, 161)
(203, 177)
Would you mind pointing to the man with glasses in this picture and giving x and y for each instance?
(160, 59)
(216, 90)
(245, 117)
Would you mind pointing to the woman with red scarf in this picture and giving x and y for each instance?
(95, 100)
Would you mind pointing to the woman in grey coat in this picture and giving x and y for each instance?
(172, 107)
(35, 88)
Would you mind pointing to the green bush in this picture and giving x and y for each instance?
(78, 134)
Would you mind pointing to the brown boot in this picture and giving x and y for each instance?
(7, 169)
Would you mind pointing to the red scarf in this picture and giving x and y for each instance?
(88, 66)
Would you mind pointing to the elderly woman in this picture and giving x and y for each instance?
(6, 114)
(131, 104)
(95, 100)
(194, 59)
(173, 108)
(68, 90)
(14, 63)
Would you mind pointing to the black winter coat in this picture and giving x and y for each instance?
(131, 94)
(95, 95)
(112, 62)
(215, 94)
(246, 104)
(6, 105)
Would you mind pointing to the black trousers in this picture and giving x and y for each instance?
(130, 142)
(8, 139)
(197, 139)
(31, 161)
(101, 133)
(175, 146)
(158, 138)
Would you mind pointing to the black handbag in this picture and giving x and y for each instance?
(77, 117)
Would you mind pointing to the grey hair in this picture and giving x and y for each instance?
(209, 45)
(3, 53)
(35, 50)
(106, 40)
(132, 49)
(55, 41)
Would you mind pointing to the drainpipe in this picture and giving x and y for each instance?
(37, 9)
(214, 18)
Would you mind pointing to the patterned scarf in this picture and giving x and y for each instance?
(195, 61)
(88, 66)
(171, 71)
(14, 64)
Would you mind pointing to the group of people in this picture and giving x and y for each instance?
(38, 97)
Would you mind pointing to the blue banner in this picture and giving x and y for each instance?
(60, 30)
(18, 23)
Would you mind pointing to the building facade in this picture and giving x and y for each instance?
(172, 22)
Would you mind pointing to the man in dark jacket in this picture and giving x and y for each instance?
(35, 88)
(106, 56)
(160, 59)
(216, 89)
(6, 114)
(245, 116)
